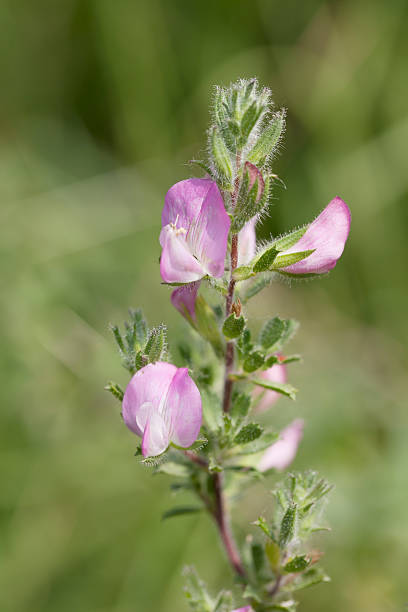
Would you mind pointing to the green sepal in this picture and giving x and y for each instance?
(233, 326)
(221, 158)
(291, 258)
(289, 240)
(268, 140)
(283, 388)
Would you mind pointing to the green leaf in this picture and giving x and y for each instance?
(291, 359)
(240, 405)
(272, 551)
(297, 564)
(196, 592)
(288, 526)
(283, 388)
(271, 332)
(207, 325)
(310, 577)
(248, 433)
(258, 556)
(260, 444)
(115, 389)
(268, 139)
(174, 469)
(287, 260)
(212, 410)
(180, 510)
(262, 524)
(288, 241)
(243, 273)
(265, 261)
(248, 122)
(224, 602)
(221, 157)
(156, 345)
(233, 326)
(253, 361)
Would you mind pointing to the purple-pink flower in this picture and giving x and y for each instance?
(327, 234)
(162, 404)
(194, 233)
(277, 373)
(281, 454)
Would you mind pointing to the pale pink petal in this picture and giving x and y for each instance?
(156, 436)
(144, 393)
(281, 454)
(183, 409)
(245, 609)
(247, 242)
(277, 373)
(177, 264)
(184, 200)
(208, 234)
(327, 235)
(184, 299)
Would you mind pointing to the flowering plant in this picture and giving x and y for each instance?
(197, 423)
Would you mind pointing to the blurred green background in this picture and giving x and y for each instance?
(101, 105)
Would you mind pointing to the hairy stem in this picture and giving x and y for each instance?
(229, 351)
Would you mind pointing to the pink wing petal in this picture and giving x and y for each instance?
(183, 411)
(183, 201)
(208, 234)
(327, 234)
(184, 299)
(276, 373)
(177, 264)
(156, 436)
(247, 242)
(281, 454)
(145, 393)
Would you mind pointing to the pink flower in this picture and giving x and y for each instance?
(277, 373)
(194, 233)
(245, 609)
(281, 454)
(327, 234)
(184, 299)
(247, 242)
(162, 404)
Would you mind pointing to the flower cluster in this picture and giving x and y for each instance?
(208, 241)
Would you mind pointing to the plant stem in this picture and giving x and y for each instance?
(229, 351)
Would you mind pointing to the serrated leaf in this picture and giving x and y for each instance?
(253, 361)
(180, 510)
(291, 258)
(233, 326)
(288, 526)
(260, 444)
(271, 332)
(266, 260)
(288, 241)
(248, 433)
(283, 388)
(296, 565)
